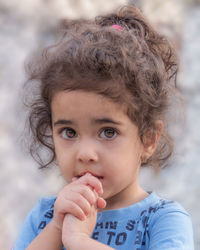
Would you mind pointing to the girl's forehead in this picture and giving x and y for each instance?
(84, 97)
(82, 102)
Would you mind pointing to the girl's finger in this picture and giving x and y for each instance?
(82, 202)
(70, 207)
(70, 191)
(88, 193)
(92, 181)
(101, 203)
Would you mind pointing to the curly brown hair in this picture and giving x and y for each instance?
(136, 66)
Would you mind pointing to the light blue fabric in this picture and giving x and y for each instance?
(152, 224)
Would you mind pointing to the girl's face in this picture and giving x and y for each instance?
(93, 134)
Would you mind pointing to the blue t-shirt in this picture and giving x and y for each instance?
(152, 224)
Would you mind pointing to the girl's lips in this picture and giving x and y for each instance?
(95, 175)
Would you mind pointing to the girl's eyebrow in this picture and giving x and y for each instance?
(63, 122)
(94, 121)
(105, 120)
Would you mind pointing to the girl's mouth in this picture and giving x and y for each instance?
(95, 175)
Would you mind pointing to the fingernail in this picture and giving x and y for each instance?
(84, 217)
(101, 191)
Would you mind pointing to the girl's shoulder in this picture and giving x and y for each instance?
(36, 220)
(47, 202)
(43, 205)
(169, 224)
(158, 205)
(161, 210)
(42, 213)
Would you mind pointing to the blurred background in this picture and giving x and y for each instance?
(27, 24)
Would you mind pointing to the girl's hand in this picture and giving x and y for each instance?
(77, 199)
(75, 229)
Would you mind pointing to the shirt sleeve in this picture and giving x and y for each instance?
(172, 230)
(29, 229)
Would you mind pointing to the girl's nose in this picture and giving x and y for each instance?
(87, 153)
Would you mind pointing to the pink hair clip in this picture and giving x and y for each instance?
(117, 27)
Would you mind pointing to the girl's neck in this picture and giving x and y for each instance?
(115, 202)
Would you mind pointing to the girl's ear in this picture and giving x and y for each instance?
(151, 139)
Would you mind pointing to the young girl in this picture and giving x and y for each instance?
(104, 93)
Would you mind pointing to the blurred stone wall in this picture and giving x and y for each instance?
(27, 24)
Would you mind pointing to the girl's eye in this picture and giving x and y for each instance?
(108, 133)
(68, 133)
